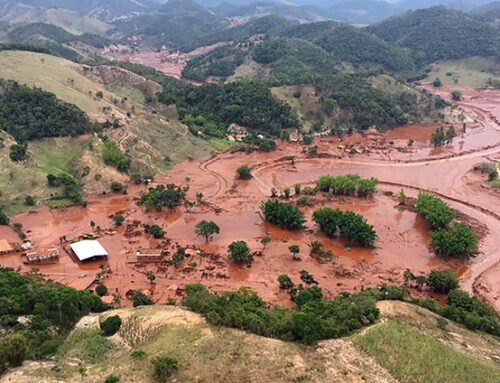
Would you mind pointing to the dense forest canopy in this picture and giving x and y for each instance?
(439, 33)
(31, 113)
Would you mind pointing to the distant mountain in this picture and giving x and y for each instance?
(488, 12)
(287, 11)
(102, 9)
(439, 33)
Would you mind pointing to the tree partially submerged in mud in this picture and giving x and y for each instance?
(346, 225)
(284, 215)
(170, 196)
(206, 229)
(239, 253)
(458, 241)
(434, 210)
(349, 184)
(244, 172)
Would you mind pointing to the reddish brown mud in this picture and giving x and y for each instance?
(403, 240)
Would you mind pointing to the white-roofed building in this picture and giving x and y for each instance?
(88, 250)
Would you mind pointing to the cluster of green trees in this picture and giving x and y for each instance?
(221, 62)
(347, 225)
(440, 137)
(283, 214)
(247, 103)
(349, 184)
(441, 281)
(314, 319)
(113, 156)
(31, 113)
(449, 238)
(439, 33)
(169, 196)
(489, 168)
(361, 105)
(70, 188)
(52, 310)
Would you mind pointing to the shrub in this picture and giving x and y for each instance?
(442, 280)
(155, 230)
(13, 349)
(244, 172)
(141, 299)
(101, 290)
(116, 186)
(112, 379)
(17, 153)
(347, 225)
(4, 219)
(284, 215)
(164, 367)
(434, 210)
(285, 282)
(29, 200)
(118, 219)
(458, 241)
(113, 156)
(111, 325)
(137, 354)
(240, 253)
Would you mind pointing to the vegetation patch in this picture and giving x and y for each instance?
(411, 356)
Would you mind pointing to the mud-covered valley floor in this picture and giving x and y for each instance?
(403, 240)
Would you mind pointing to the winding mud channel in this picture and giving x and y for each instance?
(403, 240)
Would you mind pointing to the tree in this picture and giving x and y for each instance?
(284, 215)
(458, 241)
(264, 241)
(294, 249)
(13, 349)
(442, 281)
(17, 152)
(141, 299)
(155, 230)
(101, 290)
(244, 172)
(286, 192)
(285, 282)
(434, 210)
(307, 140)
(437, 82)
(310, 294)
(164, 367)
(402, 197)
(456, 95)
(29, 200)
(118, 219)
(240, 253)
(111, 325)
(116, 186)
(151, 277)
(206, 229)
(347, 225)
(4, 219)
(296, 188)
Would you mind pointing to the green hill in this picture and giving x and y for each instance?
(439, 33)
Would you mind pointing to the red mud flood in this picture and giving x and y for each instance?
(403, 240)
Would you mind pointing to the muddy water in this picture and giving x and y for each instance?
(403, 240)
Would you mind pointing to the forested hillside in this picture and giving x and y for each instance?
(439, 33)
(30, 113)
(178, 24)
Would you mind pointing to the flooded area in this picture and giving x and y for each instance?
(403, 237)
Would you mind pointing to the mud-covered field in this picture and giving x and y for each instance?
(403, 240)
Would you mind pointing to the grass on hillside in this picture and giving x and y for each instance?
(473, 72)
(412, 356)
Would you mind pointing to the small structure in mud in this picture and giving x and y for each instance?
(6, 247)
(150, 255)
(41, 257)
(88, 250)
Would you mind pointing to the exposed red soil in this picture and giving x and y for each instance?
(403, 240)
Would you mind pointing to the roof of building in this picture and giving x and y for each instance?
(149, 252)
(88, 249)
(5, 245)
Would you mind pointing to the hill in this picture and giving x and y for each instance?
(178, 24)
(439, 33)
(211, 353)
(152, 141)
(19, 13)
(290, 12)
